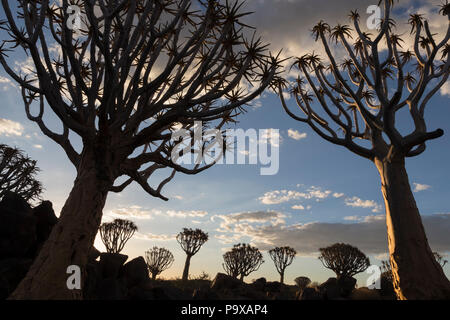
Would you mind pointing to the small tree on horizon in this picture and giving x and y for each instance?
(115, 234)
(282, 258)
(361, 102)
(190, 241)
(158, 260)
(242, 260)
(302, 282)
(18, 174)
(344, 260)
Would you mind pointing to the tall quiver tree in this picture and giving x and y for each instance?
(121, 81)
(190, 241)
(282, 258)
(344, 260)
(158, 260)
(355, 105)
(116, 234)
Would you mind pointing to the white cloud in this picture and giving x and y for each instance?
(352, 218)
(296, 135)
(131, 212)
(154, 237)
(420, 187)
(38, 146)
(10, 128)
(281, 196)
(338, 195)
(185, 214)
(178, 197)
(6, 83)
(359, 203)
(298, 207)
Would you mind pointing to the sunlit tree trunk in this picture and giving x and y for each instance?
(416, 273)
(70, 240)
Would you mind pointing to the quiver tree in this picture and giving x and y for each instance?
(190, 241)
(355, 104)
(242, 260)
(282, 258)
(344, 260)
(158, 260)
(115, 234)
(302, 282)
(18, 174)
(121, 76)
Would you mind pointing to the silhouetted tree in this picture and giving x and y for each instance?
(158, 260)
(440, 259)
(242, 260)
(302, 282)
(282, 258)
(344, 259)
(115, 234)
(356, 105)
(190, 241)
(18, 174)
(122, 81)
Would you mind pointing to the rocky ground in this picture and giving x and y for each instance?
(23, 230)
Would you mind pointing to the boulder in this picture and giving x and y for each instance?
(259, 284)
(12, 271)
(93, 254)
(346, 286)
(93, 277)
(225, 282)
(111, 289)
(205, 294)
(135, 272)
(17, 228)
(45, 220)
(111, 263)
(309, 294)
(330, 289)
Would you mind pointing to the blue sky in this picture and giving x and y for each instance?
(322, 193)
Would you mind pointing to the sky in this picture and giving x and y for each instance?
(322, 193)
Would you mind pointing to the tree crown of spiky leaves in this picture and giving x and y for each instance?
(135, 71)
(158, 260)
(115, 234)
(282, 257)
(355, 103)
(18, 174)
(191, 240)
(242, 260)
(344, 259)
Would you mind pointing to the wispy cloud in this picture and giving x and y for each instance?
(420, 187)
(281, 196)
(10, 128)
(360, 203)
(154, 237)
(296, 135)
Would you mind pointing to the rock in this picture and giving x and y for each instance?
(135, 272)
(141, 292)
(365, 294)
(111, 289)
(17, 228)
(225, 282)
(93, 277)
(170, 293)
(93, 254)
(309, 294)
(346, 286)
(13, 203)
(330, 289)
(273, 286)
(205, 294)
(12, 271)
(111, 263)
(46, 219)
(259, 284)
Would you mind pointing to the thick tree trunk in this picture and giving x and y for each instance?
(242, 278)
(282, 277)
(186, 267)
(416, 273)
(70, 240)
(154, 274)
